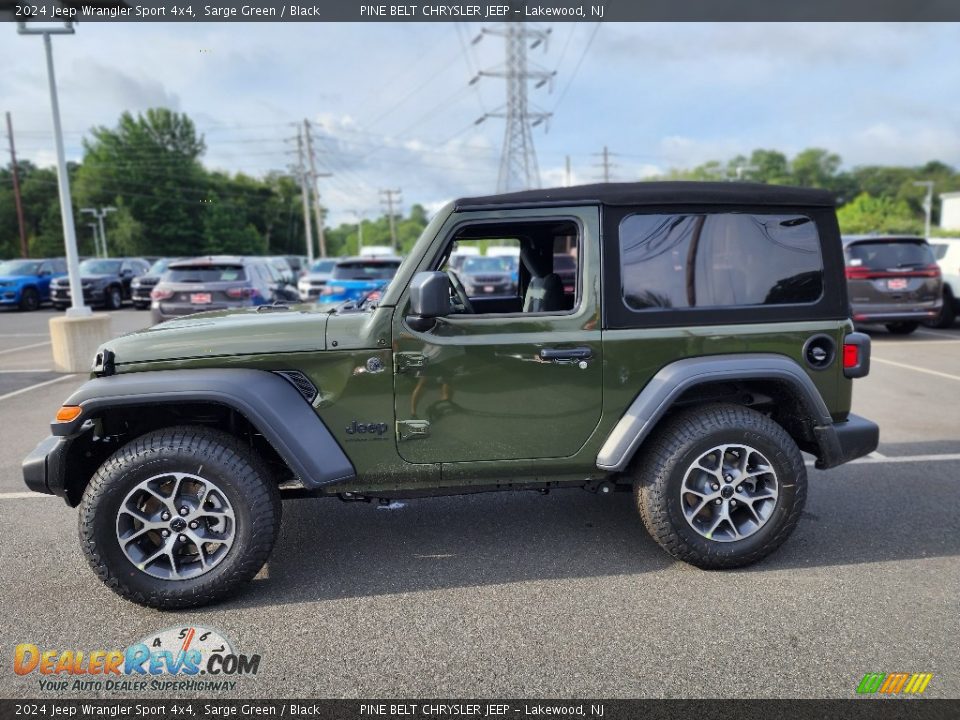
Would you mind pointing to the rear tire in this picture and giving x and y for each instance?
(211, 534)
(29, 299)
(948, 314)
(757, 474)
(902, 328)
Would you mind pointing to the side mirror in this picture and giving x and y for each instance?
(429, 299)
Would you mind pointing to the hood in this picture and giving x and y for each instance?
(16, 279)
(65, 280)
(228, 332)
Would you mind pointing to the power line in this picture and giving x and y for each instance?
(576, 68)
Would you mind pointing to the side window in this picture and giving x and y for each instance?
(45, 269)
(528, 266)
(704, 260)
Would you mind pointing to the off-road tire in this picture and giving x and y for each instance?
(679, 441)
(902, 328)
(113, 298)
(226, 462)
(29, 299)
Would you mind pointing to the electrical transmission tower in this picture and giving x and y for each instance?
(518, 158)
(605, 163)
(391, 198)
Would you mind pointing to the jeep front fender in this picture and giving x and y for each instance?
(268, 401)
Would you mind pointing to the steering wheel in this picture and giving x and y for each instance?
(460, 292)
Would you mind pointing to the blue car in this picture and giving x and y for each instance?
(358, 278)
(25, 284)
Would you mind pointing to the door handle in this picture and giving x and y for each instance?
(566, 355)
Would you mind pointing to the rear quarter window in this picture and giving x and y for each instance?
(719, 260)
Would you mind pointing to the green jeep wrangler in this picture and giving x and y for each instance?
(702, 344)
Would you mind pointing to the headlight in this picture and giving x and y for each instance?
(134, 283)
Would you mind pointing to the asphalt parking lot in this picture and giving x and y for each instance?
(521, 595)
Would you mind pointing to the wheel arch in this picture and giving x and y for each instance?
(771, 380)
(257, 404)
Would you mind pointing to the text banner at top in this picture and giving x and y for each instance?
(542, 11)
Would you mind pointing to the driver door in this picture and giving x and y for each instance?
(493, 385)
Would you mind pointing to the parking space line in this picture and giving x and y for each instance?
(917, 369)
(23, 495)
(24, 334)
(872, 459)
(913, 343)
(27, 389)
(34, 371)
(24, 347)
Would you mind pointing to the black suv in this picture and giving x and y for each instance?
(105, 282)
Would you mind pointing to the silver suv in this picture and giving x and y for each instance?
(892, 280)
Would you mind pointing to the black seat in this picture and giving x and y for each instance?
(545, 290)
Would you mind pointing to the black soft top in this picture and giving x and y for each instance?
(656, 193)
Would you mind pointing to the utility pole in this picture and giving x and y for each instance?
(388, 197)
(306, 200)
(568, 178)
(927, 204)
(317, 209)
(24, 250)
(359, 215)
(518, 159)
(605, 163)
(78, 307)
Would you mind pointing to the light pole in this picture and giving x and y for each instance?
(100, 214)
(96, 238)
(63, 181)
(927, 204)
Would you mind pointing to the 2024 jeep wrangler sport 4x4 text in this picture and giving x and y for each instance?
(705, 344)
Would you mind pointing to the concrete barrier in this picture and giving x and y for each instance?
(75, 341)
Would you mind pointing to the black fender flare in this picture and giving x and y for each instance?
(664, 388)
(267, 400)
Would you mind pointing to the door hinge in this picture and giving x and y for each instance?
(412, 429)
(409, 361)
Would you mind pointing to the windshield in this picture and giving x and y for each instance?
(486, 264)
(889, 255)
(366, 270)
(19, 267)
(158, 267)
(205, 273)
(100, 267)
(323, 266)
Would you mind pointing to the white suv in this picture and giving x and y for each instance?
(947, 253)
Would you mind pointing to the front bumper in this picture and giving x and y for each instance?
(44, 468)
(842, 442)
(62, 296)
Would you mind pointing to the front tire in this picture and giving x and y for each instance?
(720, 486)
(113, 298)
(179, 517)
(29, 299)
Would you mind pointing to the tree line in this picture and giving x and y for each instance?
(149, 166)
(167, 203)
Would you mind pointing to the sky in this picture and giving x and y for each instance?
(393, 105)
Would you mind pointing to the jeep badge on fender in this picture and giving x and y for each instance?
(682, 341)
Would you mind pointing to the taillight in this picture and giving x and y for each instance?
(851, 356)
(857, 273)
(864, 273)
(856, 355)
(161, 294)
(242, 293)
